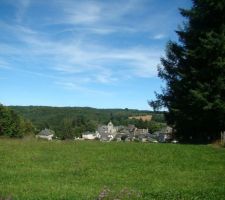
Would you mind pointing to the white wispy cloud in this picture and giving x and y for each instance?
(79, 56)
(96, 17)
(77, 87)
(82, 12)
(159, 36)
(4, 64)
(22, 6)
(77, 48)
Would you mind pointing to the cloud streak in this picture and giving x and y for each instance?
(4, 64)
(83, 57)
(105, 51)
(74, 42)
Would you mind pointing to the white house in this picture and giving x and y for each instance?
(90, 136)
(45, 134)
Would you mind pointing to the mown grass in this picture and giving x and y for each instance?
(91, 170)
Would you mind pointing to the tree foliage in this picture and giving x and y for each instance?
(194, 72)
(70, 122)
(12, 125)
(155, 105)
(74, 127)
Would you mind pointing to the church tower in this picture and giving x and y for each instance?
(111, 128)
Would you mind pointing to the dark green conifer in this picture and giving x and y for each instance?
(194, 72)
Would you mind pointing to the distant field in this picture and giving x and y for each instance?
(82, 170)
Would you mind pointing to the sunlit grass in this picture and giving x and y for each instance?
(81, 170)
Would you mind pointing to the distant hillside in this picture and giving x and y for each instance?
(56, 117)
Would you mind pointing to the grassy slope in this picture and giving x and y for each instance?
(79, 170)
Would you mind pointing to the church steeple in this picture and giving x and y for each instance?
(110, 127)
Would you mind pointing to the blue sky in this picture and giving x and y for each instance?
(99, 53)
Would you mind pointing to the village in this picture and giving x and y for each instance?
(112, 100)
(109, 132)
(128, 133)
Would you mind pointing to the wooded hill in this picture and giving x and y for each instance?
(68, 122)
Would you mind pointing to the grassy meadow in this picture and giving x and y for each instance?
(35, 169)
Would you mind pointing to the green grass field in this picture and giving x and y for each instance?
(94, 170)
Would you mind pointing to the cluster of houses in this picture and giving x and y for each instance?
(119, 133)
(128, 133)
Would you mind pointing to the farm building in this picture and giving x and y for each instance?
(90, 135)
(46, 134)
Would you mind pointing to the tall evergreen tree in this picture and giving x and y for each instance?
(194, 72)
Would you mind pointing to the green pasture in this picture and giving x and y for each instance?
(36, 169)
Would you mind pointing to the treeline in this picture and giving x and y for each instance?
(70, 122)
(13, 125)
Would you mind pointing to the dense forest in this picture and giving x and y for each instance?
(68, 122)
